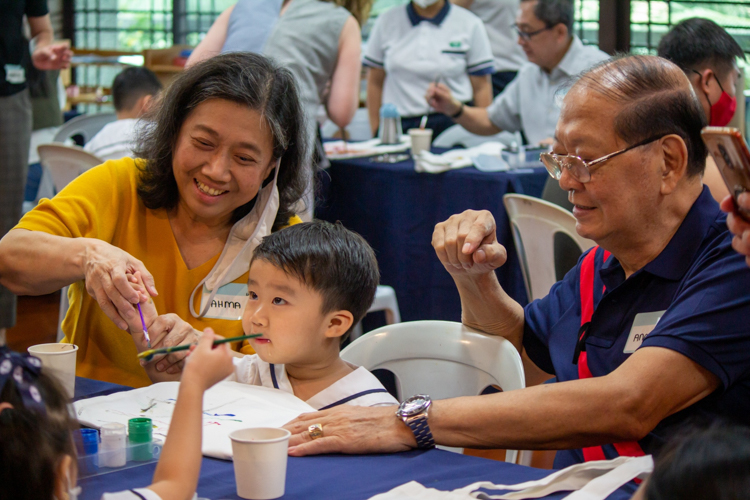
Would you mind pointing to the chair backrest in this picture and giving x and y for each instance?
(538, 228)
(65, 163)
(440, 358)
(84, 125)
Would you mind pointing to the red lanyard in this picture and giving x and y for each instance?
(628, 448)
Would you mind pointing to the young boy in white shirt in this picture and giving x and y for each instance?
(308, 285)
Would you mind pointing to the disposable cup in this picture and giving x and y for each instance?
(421, 138)
(59, 360)
(259, 456)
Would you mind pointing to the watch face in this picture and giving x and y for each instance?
(414, 405)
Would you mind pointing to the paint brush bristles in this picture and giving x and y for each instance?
(147, 355)
(143, 323)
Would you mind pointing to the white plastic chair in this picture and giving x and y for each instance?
(535, 223)
(456, 135)
(440, 358)
(84, 125)
(385, 300)
(65, 163)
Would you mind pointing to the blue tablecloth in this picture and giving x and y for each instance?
(328, 476)
(395, 209)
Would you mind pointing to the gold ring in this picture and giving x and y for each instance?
(315, 431)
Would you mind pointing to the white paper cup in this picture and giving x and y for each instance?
(59, 360)
(259, 456)
(420, 140)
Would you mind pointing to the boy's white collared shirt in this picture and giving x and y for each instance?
(359, 388)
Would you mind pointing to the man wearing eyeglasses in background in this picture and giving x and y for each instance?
(528, 104)
(648, 332)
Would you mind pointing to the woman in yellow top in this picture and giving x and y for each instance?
(224, 164)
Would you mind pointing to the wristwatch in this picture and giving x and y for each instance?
(459, 112)
(413, 412)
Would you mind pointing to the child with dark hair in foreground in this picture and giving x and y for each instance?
(308, 286)
(37, 453)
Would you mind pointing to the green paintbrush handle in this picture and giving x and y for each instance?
(165, 350)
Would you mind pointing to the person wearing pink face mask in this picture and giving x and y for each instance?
(708, 55)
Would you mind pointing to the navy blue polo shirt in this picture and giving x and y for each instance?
(702, 286)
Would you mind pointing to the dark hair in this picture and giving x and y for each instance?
(247, 79)
(34, 442)
(712, 463)
(697, 43)
(327, 258)
(656, 99)
(554, 12)
(131, 84)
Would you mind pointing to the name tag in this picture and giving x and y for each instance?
(643, 324)
(15, 74)
(228, 303)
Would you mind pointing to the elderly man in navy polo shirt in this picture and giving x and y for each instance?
(648, 331)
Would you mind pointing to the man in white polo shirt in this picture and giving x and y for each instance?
(529, 104)
(412, 45)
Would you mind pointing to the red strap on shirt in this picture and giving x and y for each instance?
(629, 448)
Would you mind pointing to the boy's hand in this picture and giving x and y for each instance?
(206, 365)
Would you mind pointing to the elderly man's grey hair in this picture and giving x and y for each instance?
(656, 99)
(553, 12)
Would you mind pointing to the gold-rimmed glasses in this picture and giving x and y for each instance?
(579, 168)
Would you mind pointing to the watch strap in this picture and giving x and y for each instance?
(458, 113)
(421, 431)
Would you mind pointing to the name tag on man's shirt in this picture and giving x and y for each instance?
(228, 303)
(643, 324)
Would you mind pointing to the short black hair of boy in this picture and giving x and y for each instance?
(697, 43)
(328, 258)
(34, 442)
(131, 84)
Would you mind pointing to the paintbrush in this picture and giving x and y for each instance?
(423, 121)
(143, 323)
(343, 139)
(148, 355)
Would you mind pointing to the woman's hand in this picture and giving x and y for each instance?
(440, 98)
(166, 331)
(466, 244)
(352, 430)
(105, 269)
(737, 224)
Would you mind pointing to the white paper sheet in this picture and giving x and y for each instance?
(337, 150)
(227, 406)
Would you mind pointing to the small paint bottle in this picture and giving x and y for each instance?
(112, 450)
(139, 439)
(88, 449)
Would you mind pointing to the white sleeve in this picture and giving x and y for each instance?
(374, 53)
(246, 370)
(136, 494)
(479, 60)
(505, 110)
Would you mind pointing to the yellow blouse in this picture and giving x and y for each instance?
(103, 203)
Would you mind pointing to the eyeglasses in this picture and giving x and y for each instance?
(526, 35)
(579, 168)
